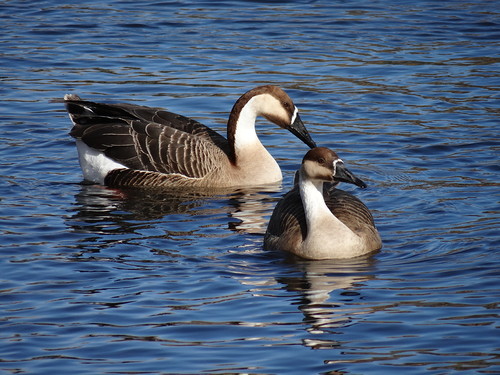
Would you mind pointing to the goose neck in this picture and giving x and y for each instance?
(241, 132)
(311, 193)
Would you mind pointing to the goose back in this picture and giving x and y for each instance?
(147, 139)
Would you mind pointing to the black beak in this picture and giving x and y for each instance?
(344, 175)
(299, 130)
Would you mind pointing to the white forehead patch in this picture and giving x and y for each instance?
(335, 165)
(295, 112)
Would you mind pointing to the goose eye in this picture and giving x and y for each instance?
(321, 161)
(286, 105)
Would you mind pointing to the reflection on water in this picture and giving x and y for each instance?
(245, 207)
(317, 282)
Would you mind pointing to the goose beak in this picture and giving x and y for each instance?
(299, 130)
(342, 174)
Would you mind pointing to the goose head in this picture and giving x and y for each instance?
(275, 105)
(279, 108)
(321, 164)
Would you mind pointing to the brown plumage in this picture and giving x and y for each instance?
(340, 224)
(131, 145)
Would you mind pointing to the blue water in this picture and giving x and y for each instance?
(101, 281)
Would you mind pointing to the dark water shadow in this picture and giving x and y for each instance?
(121, 209)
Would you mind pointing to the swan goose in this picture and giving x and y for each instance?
(315, 221)
(132, 145)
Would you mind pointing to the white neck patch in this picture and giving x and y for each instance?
(245, 126)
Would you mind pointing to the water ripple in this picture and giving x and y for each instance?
(98, 280)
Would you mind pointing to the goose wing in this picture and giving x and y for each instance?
(145, 138)
(348, 209)
(287, 224)
(288, 218)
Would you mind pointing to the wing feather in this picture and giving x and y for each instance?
(287, 225)
(348, 209)
(148, 139)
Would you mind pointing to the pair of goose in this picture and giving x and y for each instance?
(130, 145)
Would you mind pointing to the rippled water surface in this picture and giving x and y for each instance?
(103, 281)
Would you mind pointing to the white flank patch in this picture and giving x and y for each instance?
(95, 165)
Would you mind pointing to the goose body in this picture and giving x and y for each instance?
(317, 221)
(132, 145)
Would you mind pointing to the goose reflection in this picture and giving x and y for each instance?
(329, 295)
(99, 207)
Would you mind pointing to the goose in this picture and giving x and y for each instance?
(316, 222)
(131, 145)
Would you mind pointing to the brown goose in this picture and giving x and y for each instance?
(314, 222)
(131, 145)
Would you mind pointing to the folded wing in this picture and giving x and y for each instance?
(148, 139)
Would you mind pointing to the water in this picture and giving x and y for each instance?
(101, 281)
